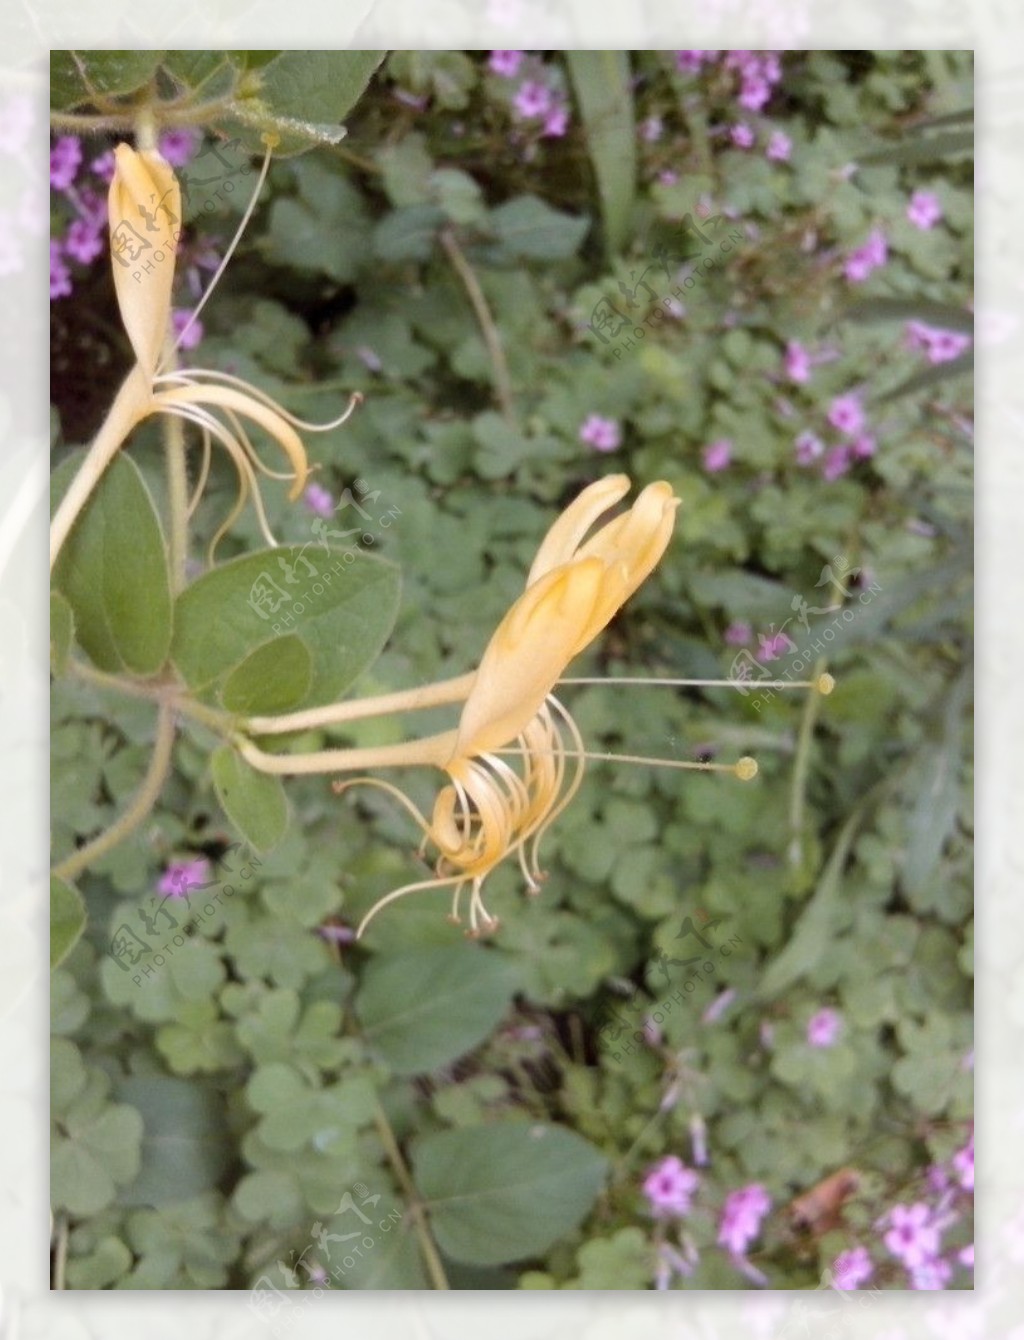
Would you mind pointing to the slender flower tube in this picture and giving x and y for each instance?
(145, 227)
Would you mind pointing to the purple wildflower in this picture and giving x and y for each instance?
(741, 1217)
(178, 146)
(65, 158)
(318, 500)
(836, 464)
(103, 166)
(780, 146)
(180, 876)
(600, 433)
(823, 1028)
(847, 414)
(556, 122)
(189, 333)
(851, 1269)
(863, 446)
(741, 135)
(945, 345)
(797, 362)
(772, 646)
(754, 94)
(738, 634)
(912, 1235)
(931, 1274)
(864, 259)
(651, 129)
(717, 455)
(924, 210)
(669, 1186)
(506, 63)
(84, 241)
(808, 448)
(963, 1165)
(690, 62)
(532, 100)
(60, 275)
(966, 1256)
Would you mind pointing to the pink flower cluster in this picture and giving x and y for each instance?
(924, 210)
(870, 256)
(824, 1028)
(914, 1232)
(851, 1269)
(600, 433)
(535, 99)
(741, 1218)
(759, 72)
(846, 415)
(669, 1187)
(181, 876)
(938, 345)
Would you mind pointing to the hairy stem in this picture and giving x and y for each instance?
(431, 1256)
(145, 798)
(490, 332)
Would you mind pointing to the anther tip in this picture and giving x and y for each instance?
(824, 684)
(746, 768)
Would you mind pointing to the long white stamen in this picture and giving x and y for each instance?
(231, 247)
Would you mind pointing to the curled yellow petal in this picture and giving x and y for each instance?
(145, 224)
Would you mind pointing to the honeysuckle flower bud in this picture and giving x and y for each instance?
(144, 206)
(145, 226)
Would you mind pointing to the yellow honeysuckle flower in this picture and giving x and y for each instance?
(516, 758)
(145, 227)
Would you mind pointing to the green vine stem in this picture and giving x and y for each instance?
(490, 332)
(801, 765)
(145, 798)
(431, 1256)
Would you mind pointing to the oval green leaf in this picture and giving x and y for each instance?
(274, 678)
(67, 919)
(504, 1192)
(419, 1011)
(253, 801)
(340, 612)
(62, 632)
(113, 571)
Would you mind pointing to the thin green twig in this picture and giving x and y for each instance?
(145, 798)
(431, 1256)
(488, 328)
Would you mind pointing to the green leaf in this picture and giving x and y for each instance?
(273, 678)
(255, 802)
(67, 919)
(603, 89)
(317, 85)
(185, 1149)
(818, 924)
(114, 573)
(503, 1192)
(409, 233)
(929, 377)
(325, 228)
(530, 229)
(95, 1144)
(340, 612)
(421, 1010)
(934, 815)
(944, 314)
(927, 149)
(78, 76)
(62, 632)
